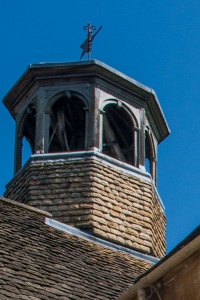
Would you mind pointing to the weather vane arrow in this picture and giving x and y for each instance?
(87, 45)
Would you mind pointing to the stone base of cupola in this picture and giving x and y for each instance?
(97, 194)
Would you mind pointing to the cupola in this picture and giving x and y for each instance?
(94, 135)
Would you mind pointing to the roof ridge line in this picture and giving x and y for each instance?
(25, 206)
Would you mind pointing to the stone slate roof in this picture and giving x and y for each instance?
(40, 262)
(193, 235)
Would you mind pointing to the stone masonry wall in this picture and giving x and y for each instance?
(126, 210)
(89, 194)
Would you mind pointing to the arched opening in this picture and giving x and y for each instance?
(118, 133)
(149, 155)
(25, 143)
(67, 125)
(26, 153)
(29, 127)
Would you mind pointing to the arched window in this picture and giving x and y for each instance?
(118, 134)
(67, 125)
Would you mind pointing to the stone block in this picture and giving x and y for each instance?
(114, 231)
(100, 220)
(98, 213)
(120, 240)
(81, 224)
(111, 236)
(101, 233)
(113, 225)
(114, 213)
(117, 208)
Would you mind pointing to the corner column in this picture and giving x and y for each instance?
(40, 121)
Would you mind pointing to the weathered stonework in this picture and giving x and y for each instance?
(89, 194)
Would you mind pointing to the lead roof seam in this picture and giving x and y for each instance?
(74, 231)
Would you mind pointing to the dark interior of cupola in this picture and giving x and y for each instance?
(118, 133)
(67, 125)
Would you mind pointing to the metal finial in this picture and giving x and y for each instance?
(87, 45)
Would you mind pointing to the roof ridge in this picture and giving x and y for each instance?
(25, 206)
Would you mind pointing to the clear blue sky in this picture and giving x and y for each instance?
(155, 42)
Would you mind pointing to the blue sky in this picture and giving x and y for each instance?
(155, 42)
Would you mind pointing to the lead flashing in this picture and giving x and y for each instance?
(93, 62)
(79, 155)
(96, 155)
(74, 231)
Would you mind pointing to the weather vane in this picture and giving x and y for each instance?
(87, 45)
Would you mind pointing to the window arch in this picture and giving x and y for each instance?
(67, 125)
(119, 139)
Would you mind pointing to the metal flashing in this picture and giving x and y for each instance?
(109, 161)
(97, 63)
(88, 155)
(78, 155)
(74, 231)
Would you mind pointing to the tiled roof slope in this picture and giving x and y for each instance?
(40, 262)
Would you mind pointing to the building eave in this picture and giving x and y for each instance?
(180, 253)
(93, 68)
